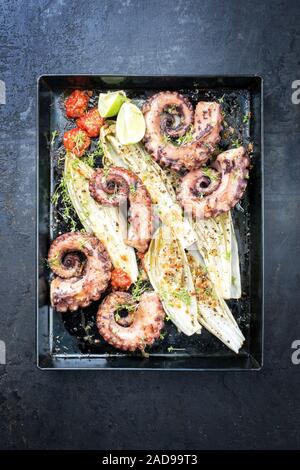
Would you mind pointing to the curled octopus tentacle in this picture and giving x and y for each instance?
(113, 187)
(83, 270)
(139, 329)
(208, 192)
(170, 115)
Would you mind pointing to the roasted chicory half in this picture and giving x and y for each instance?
(154, 178)
(216, 241)
(106, 222)
(213, 311)
(169, 273)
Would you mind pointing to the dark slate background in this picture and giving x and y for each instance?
(126, 410)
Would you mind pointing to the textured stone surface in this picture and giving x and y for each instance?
(149, 409)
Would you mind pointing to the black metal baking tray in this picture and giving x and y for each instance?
(71, 340)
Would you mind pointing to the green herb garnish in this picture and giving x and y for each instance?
(236, 143)
(54, 262)
(184, 296)
(90, 159)
(53, 137)
(132, 188)
(210, 173)
(128, 307)
(66, 211)
(79, 140)
(172, 109)
(139, 287)
(246, 118)
(184, 139)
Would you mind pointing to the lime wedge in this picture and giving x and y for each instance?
(110, 103)
(130, 126)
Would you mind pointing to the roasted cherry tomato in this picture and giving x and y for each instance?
(77, 141)
(120, 280)
(91, 122)
(77, 103)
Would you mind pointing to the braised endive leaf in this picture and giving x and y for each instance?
(169, 273)
(106, 222)
(216, 241)
(236, 288)
(154, 178)
(213, 311)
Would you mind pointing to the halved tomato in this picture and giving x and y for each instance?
(91, 122)
(120, 280)
(77, 141)
(77, 104)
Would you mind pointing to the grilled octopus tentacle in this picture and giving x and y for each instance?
(208, 192)
(142, 327)
(169, 114)
(83, 270)
(113, 188)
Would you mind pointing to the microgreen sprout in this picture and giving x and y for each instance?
(91, 157)
(246, 118)
(139, 287)
(66, 211)
(209, 173)
(182, 140)
(79, 140)
(236, 143)
(53, 137)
